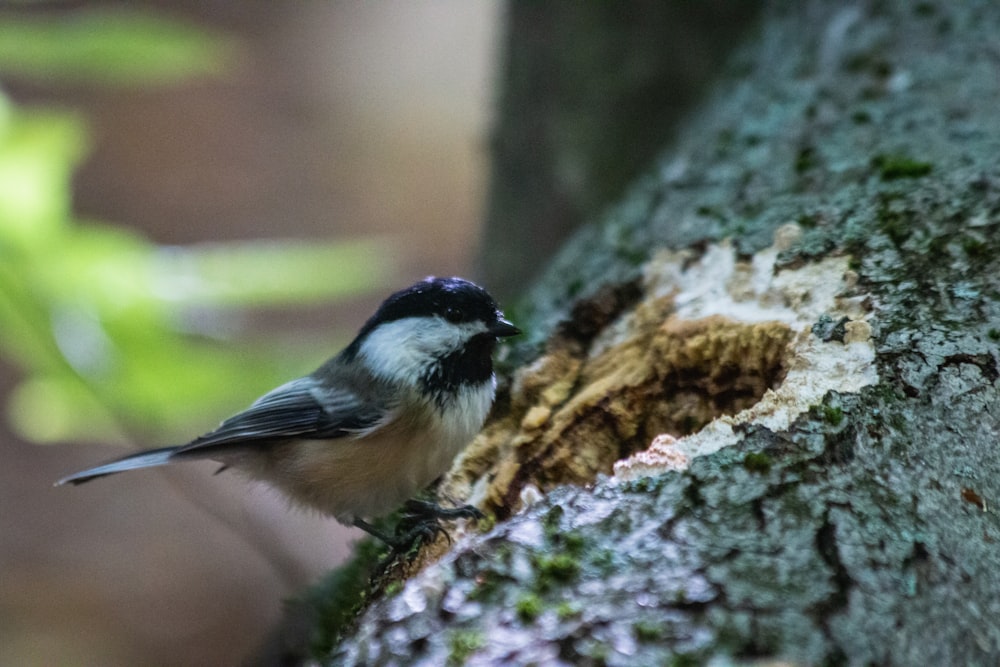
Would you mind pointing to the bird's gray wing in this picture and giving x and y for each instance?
(301, 409)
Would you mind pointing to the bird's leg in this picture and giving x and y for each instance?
(374, 532)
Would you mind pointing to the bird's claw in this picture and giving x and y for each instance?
(420, 524)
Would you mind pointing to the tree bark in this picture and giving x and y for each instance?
(825, 469)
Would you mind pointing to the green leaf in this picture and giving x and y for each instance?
(37, 155)
(98, 319)
(109, 46)
(57, 409)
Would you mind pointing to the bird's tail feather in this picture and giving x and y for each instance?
(153, 457)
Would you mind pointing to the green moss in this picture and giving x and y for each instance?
(486, 524)
(686, 660)
(574, 288)
(712, 212)
(896, 228)
(806, 159)
(633, 256)
(758, 462)
(561, 567)
(462, 644)
(975, 248)
(604, 560)
(893, 167)
(648, 631)
(552, 520)
(574, 542)
(833, 415)
(861, 117)
(566, 610)
(891, 220)
(882, 69)
(596, 651)
(528, 607)
(340, 596)
(680, 598)
(868, 62)
(994, 334)
(486, 585)
(643, 485)
(724, 140)
(807, 220)
(937, 246)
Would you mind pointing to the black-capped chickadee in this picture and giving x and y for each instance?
(373, 425)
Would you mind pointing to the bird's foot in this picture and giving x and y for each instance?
(420, 524)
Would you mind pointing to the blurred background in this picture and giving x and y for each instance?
(198, 201)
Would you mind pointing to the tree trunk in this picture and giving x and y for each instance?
(589, 94)
(784, 445)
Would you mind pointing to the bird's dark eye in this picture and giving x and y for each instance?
(453, 314)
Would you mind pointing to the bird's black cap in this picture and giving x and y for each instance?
(454, 299)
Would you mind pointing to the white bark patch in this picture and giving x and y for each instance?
(717, 283)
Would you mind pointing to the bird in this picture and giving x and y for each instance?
(375, 424)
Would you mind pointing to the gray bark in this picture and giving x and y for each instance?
(864, 533)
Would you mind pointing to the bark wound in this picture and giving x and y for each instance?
(643, 377)
(575, 412)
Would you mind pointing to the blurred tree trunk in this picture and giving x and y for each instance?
(863, 532)
(589, 94)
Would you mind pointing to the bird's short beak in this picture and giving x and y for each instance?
(503, 328)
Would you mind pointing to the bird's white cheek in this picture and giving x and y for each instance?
(393, 351)
(403, 350)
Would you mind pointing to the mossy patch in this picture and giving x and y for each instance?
(758, 462)
(528, 607)
(893, 167)
(463, 643)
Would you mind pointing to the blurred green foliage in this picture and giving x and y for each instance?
(120, 46)
(115, 336)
